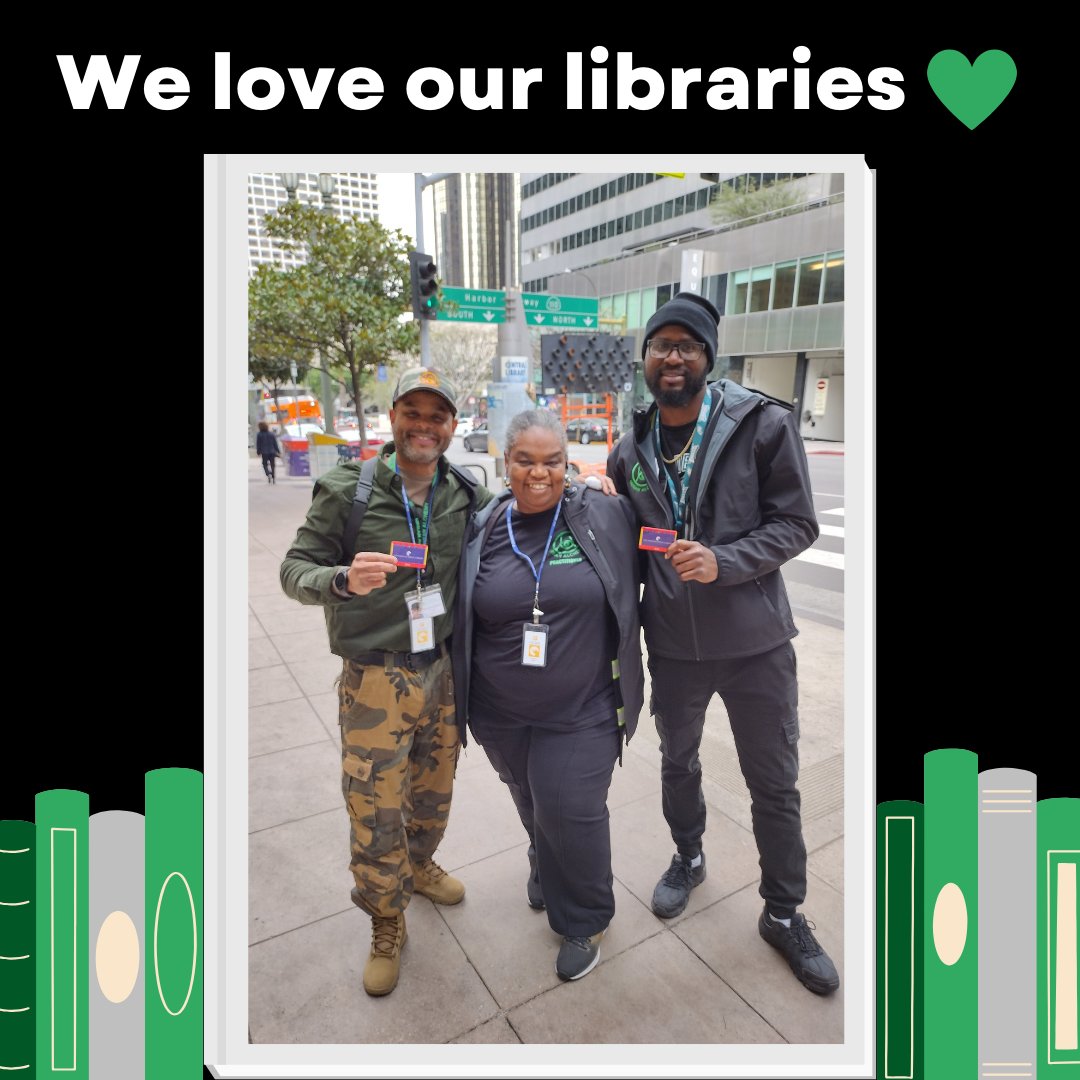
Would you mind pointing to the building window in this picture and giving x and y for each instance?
(834, 278)
(637, 219)
(667, 208)
(760, 282)
(738, 286)
(810, 274)
(784, 285)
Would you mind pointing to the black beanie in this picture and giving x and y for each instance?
(693, 312)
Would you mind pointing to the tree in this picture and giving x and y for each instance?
(464, 354)
(344, 304)
(731, 204)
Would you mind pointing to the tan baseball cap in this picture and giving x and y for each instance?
(426, 379)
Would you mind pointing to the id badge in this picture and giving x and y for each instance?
(534, 639)
(421, 633)
(429, 598)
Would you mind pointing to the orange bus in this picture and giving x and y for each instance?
(290, 410)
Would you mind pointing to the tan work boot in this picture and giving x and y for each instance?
(436, 884)
(388, 937)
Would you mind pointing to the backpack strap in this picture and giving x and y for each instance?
(363, 494)
(358, 508)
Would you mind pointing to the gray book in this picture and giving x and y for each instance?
(1007, 923)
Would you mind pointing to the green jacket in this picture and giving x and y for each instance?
(379, 619)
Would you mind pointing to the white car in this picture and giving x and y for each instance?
(464, 425)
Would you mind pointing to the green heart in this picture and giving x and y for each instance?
(971, 92)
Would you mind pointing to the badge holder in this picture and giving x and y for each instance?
(534, 639)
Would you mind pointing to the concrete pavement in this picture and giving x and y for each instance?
(484, 971)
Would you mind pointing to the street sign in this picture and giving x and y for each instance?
(513, 369)
(472, 305)
(561, 312)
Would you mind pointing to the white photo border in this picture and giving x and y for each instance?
(225, 476)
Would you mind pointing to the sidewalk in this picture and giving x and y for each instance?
(484, 971)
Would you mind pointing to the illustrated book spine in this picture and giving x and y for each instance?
(900, 940)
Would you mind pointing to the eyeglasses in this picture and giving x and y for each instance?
(659, 348)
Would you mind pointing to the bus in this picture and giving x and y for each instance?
(290, 410)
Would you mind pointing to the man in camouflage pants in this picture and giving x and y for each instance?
(390, 624)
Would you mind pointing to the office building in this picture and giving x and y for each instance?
(476, 229)
(353, 193)
(776, 275)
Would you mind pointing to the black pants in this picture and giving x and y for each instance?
(559, 782)
(268, 465)
(761, 696)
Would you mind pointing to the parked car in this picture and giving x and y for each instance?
(464, 425)
(477, 439)
(585, 430)
(576, 468)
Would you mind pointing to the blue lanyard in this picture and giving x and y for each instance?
(426, 523)
(678, 501)
(536, 573)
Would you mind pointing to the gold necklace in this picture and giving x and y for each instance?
(672, 460)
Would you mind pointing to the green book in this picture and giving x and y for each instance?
(951, 914)
(174, 924)
(17, 947)
(1058, 846)
(62, 820)
(900, 940)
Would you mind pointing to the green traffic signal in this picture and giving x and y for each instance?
(425, 287)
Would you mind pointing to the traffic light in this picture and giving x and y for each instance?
(425, 288)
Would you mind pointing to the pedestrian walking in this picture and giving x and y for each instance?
(724, 468)
(266, 446)
(400, 735)
(547, 659)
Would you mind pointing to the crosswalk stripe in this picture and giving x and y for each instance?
(831, 530)
(839, 510)
(835, 559)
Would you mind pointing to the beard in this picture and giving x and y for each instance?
(676, 399)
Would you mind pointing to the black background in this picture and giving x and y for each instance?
(968, 548)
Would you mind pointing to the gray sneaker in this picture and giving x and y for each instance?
(578, 956)
(672, 892)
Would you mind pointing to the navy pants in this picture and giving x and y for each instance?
(761, 696)
(559, 783)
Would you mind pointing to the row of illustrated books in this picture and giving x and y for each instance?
(101, 936)
(977, 927)
(101, 919)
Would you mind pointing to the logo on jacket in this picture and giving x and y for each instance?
(564, 549)
(637, 478)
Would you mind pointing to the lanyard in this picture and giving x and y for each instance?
(536, 573)
(678, 501)
(425, 521)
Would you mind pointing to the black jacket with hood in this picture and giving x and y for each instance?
(749, 502)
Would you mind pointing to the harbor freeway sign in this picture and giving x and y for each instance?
(561, 312)
(471, 305)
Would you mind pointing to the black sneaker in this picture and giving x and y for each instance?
(807, 958)
(532, 886)
(578, 956)
(672, 892)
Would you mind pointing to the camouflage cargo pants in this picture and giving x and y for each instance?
(399, 750)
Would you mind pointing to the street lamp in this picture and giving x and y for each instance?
(291, 181)
(596, 291)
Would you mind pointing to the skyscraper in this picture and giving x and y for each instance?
(477, 229)
(354, 193)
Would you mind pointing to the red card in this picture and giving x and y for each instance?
(650, 539)
(408, 554)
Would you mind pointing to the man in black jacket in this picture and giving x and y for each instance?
(724, 467)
